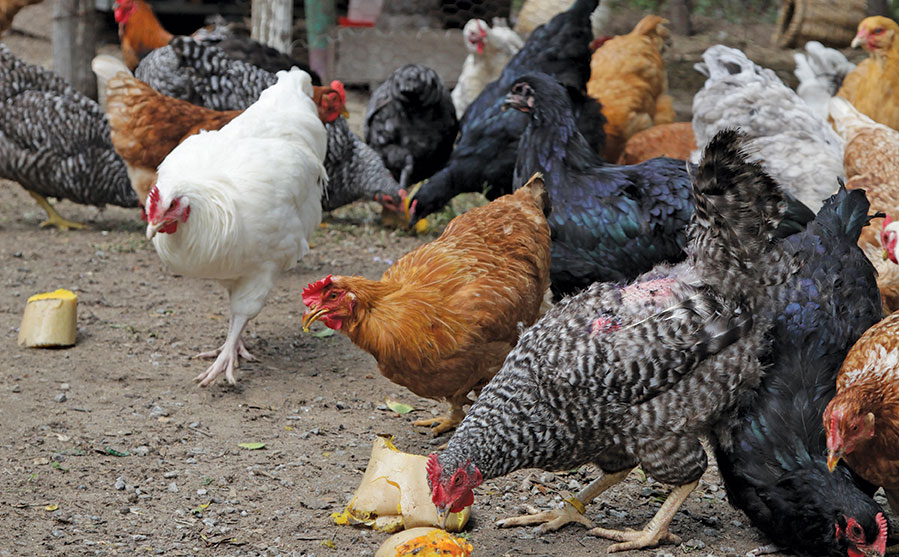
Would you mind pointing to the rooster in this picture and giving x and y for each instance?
(862, 420)
(239, 205)
(489, 50)
(628, 374)
(55, 142)
(443, 317)
(627, 75)
(871, 87)
(775, 469)
(411, 123)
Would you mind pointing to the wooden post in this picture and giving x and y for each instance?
(272, 22)
(74, 43)
(320, 19)
(680, 17)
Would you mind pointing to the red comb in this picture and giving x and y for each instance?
(153, 203)
(338, 86)
(887, 220)
(880, 544)
(433, 469)
(314, 288)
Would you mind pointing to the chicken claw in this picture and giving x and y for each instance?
(635, 539)
(443, 423)
(227, 357)
(549, 521)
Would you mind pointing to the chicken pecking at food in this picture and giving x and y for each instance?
(484, 157)
(871, 87)
(820, 72)
(54, 142)
(239, 204)
(862, 420)
(776, 467)
(411, 123)
(445, 315)
(674, 140)
(609, 222)
(799, 149)
(628, 374)
(627, 75)
(489, 50)
(140, 33)
(871, 162)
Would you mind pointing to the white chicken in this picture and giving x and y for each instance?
(238, 205)
(820, 72)
(794, 145)
(489, 50)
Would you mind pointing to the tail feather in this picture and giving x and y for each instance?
(738, 208)
(845, 213)
(106, 67)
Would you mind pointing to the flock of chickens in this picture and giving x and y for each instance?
(719, 282)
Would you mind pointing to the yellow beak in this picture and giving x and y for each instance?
(345, 113)
(311, 316)
(886, 255)
(833, 457)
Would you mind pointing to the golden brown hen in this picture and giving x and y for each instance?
(627, 75)
(9, 9)
(675, 140)
(871, 87)
(862, 421)
(442, 318)
(871, 162)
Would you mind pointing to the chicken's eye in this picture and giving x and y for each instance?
(457, 480)
(854, 428)
(333, 296)
(856, 531)
(878, 31)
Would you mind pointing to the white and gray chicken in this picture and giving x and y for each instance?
(489, 50)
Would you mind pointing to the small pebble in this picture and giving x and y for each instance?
(172, 488)
(16, 389)
(61, 397)
(158, 411)
(119, 483)
(57, 533)
(64, 387)
(695, 543)
(202, 492)
(170, 475)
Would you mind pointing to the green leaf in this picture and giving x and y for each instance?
(399, 407)
(58, 466)
(324, 333)
(251, 446)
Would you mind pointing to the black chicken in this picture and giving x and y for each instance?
(622, 375)
(609, 222)
(55, 142)
(484, 158)
(411, 123)
(775, 465)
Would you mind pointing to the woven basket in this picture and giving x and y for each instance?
(832, 22)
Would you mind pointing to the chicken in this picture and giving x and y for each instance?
(484, 157)
(775, 469)
(410, 121)
(800, 150)
(871, 162)
(443, 317)
(621, 375)
(9, 9)
(609, 223)
(820, 72)
(675, 140)
(54, 142)
(871, 86)
(203, 75)
(489, 50)
(862, 420)
(239, 204)
(627, 75)
(141, 33)
(534, 13)
(147, 125)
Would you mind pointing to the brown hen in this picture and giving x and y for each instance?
(442, 318)
(675, 140)
(871, 162)
(862, 421)
(9, 9)
(627, 75)
(871, 87)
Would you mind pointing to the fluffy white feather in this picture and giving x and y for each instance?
(253, 190)
(820, 72)
(489, 50)
(798, 148)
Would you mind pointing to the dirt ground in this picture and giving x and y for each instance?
(108, 448)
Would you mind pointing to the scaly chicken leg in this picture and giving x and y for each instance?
(656, 531)
(226, 356)
(573, 511)
(53, 217)
(445, 423)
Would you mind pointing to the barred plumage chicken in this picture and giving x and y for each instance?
(203, 75)
(55, 141)
(626, 375)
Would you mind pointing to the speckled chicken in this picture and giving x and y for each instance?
(55, 142)
(203, 75)
(621, 375)
(799, 149)
(776, 469)
(411, 123)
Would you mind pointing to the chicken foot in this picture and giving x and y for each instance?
(227, 356)
(53, 217)
(571, 511)
(656, 531)
(444, 423)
